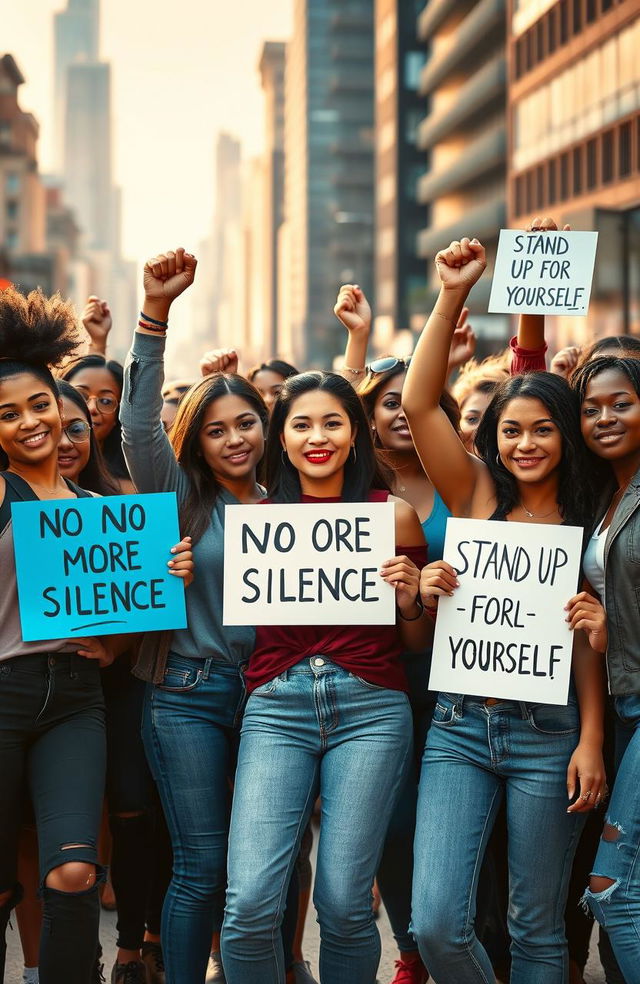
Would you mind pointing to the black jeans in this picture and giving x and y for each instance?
(52, 742)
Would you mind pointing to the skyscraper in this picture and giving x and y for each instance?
(271, 66)
(76, 39)
(329, 206)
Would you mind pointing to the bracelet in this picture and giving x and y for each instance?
(153, 320)
(157, 330)
(446, 318)
(414, 618)
(356, 372)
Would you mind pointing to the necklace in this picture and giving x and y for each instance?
(535, 515)
(38, 485)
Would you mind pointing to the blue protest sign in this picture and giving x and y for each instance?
(97, 566)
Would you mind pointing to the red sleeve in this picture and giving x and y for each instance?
(417, 554)
(526, 360)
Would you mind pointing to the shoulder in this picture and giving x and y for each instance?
(408, 527)
(3, 489)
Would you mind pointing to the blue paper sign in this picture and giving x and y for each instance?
(97, 566)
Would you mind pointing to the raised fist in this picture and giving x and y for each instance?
(219, 360)
(96, 318)
(461, 265)
(168, 275)
(352, 309)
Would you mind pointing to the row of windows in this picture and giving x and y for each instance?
(555, 28)
(611, 156)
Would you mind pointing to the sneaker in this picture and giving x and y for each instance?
(302, 972)
(215, 973)
(152, 958)
(410, 972)
(133, 972)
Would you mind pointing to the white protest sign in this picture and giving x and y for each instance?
(305, 564)
(543, 272)
(504, 633)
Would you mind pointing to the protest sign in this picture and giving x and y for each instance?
(543, 272)
(504, 633)
(97, 566)
(306, 564)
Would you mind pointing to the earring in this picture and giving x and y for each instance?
(355, 453)
(283, 456)
(499, 460)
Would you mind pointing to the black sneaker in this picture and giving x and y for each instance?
(133, 972)
(152, 958)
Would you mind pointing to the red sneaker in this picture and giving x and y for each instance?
(410, 972)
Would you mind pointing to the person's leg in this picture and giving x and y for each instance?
(275, 789)
(542, 839)
(395, 871)
(188, 735)
(367, 752)
(458, 799)
(613, 894)
(29, 911)
(66, 775)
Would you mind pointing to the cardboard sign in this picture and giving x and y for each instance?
(503, 632)
(543, 272)
(97, 566)
(306, 564)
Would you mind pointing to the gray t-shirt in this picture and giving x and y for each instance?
(154, 468)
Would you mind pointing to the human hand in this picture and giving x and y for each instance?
(461, 265)
(587, 613)
(219, 360)
(545, 225)
(97, 648)
(463, 343)
(165, 277)
(565, 361)
(353, 310)
(404, 576)
(182, 565)
(586, 768)
(436, 580)
(97, 321)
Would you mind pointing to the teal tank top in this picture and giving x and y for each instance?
(435, 527)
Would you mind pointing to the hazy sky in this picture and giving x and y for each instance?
(182, 70)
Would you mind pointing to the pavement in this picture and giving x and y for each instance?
(13, 973)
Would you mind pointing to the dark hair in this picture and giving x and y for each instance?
(615, 345)
(94, 476)
(360, 476)
(370, 390)
(284, 369)
(112, 447)
(575, 490)
(195, 513)
(35, 332)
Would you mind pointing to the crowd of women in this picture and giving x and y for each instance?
(485, 824)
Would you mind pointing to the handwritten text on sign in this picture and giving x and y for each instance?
(97, 566)
(503, 633)
(306, 564)
(543, 272)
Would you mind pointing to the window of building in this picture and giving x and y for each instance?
(577, 16)
(564, 177)
(592, 11)
(564, 21)
(11, 210)
(577, 170)
(624, 150)
(539, 187)
(413, 65)
(607, 155)
(552, 191)
(592, 164)
(12, 183)
(11, 239)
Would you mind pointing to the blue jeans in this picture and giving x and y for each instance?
(190, 736)
(617, 908)
(314, 730)
(475, 755)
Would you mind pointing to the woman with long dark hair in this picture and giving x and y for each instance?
(531, 468)
(609, 391)
(327, 713)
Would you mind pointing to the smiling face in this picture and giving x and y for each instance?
(102, 393)
(389, 421)
(30, 424)
(268, 383)
(471, 413)
(231, 438)
(317, 437)
(529, 442)
(73, 456)
(610, 416)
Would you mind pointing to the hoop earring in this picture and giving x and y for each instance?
(355, 453)
(499, 460)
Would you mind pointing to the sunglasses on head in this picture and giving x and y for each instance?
(386, 364)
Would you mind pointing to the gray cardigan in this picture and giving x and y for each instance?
(154, 468)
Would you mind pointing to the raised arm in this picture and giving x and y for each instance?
(353, 310)
(453, 471)
(149, 454)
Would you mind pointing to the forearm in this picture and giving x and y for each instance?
(590, 681)
(417, 634)
(355, 357)
(531, 331)
(427, 375)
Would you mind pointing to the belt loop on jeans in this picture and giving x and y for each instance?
(207, 668)
(524, 710)
(459, 704)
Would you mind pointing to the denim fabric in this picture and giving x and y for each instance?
(617, 908)
(475, 755)
(190, 735)
(314, 730)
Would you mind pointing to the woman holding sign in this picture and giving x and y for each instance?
(327, 714)
(530, 469)
(609, 390)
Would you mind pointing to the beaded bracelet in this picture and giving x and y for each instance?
(154, 328)
(153, 321)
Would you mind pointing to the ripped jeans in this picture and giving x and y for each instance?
(617, 907)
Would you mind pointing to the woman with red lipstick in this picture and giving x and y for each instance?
(530, 468)
(327, 714)
(609, 391)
